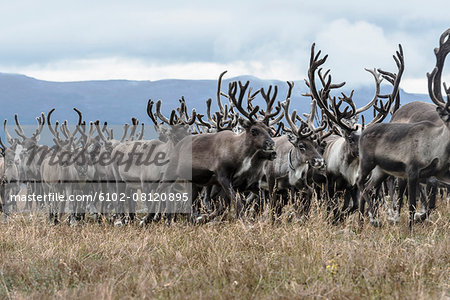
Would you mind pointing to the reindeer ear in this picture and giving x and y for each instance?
(292, 138)
(245, 123)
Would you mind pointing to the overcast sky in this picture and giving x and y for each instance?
(151, 40)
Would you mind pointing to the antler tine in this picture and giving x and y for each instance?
(219, 83)
(7, 135)
(191, 119)
(270, 100)
(378, 81)
(184, 116)
(53, 131)
(105, 124)
(125, 130)
(311, 116)
(141, 134)
(64, 129)
(100, 132)
(91, 130)
(150, 113)
(201, 122)
(288, 96)
(323, 94)
(383, 109)
(160, 115)
(134, 125)
(80, 118)
(290, 119)
(223, 124)
(349, 100)
(20, 131)
(251, 97)
(173, 118)
(232, 90)
(208, 113)
(41, 123)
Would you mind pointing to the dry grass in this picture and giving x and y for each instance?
(232, 259)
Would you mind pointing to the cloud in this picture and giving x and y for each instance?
(134, 69)
(75, 40)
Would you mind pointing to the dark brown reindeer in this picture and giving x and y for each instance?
(413, 151)
(296, 154)
(341, 152)
(270, 116)
(413, 112)
(224, 158)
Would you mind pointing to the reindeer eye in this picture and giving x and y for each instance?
(301, 147)
(255, 132)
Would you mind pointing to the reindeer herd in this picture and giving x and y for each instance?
(245, 155)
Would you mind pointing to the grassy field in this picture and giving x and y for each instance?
(231, 259)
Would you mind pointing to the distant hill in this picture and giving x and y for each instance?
(116, 101)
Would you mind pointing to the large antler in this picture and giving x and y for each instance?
(333, 113)
(7, 135)
(172, 119)
(53, 131)
(232, 91)
(19, 129)
(151, 114)
(268, 114)
(21, 133)
(383, 109)
(434, 79)
(303, 131)
(184, 116)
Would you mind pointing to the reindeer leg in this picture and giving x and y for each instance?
(225, 183)
(413, 182)
(428, 200)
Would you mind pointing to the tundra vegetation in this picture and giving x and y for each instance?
(251, 199)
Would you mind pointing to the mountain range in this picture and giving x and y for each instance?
(117, 101)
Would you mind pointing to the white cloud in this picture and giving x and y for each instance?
(134, 69)
(81, 40)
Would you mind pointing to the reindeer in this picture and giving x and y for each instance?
(224, 158)
(135, 174)
(296, 154)
(270, 116)
(29, 167)
(9, 176)
(341, 152)
(63, 170)
(413, 151)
